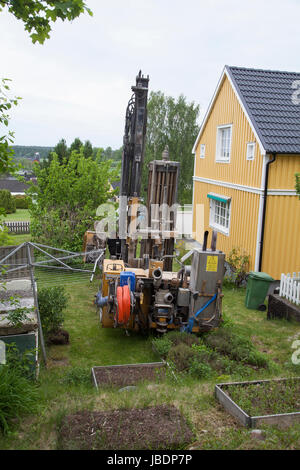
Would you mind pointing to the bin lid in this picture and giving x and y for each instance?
(260, 276)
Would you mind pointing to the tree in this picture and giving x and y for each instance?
(37, 15)
(76, 145)
(61, 150)
(172, 123)
(88, 149)
(6, 138)
(65, 199)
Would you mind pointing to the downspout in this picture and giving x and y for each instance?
(264, 211)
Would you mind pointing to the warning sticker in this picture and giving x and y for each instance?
(212, 264)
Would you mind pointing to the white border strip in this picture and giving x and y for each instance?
(248, 189)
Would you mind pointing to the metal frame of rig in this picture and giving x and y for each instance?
(143, 293)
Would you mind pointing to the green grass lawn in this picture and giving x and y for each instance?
(91, 345)
(18, 239)
(20, 215)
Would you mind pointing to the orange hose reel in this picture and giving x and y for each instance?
(123, 300)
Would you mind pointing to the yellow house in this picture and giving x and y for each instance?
(246, 155)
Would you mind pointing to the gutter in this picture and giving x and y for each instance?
(265, 195)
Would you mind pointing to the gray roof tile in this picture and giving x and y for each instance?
(267, 97)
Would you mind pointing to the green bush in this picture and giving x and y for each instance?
(7, 202)
(22, 202)
(52, 301)
(177, 337)
(182, 356)
(200, 369)
(162, 345)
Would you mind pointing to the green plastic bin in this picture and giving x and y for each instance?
(257, 289)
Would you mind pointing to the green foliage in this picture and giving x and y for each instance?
(7, 201)
(267, 397)
(52, 302)
(18, 395)
(20, 362)
(297, 183)
(22, 202)
(6, 138)
(66, 197)
(87, 149)
(182, 356)
(5, 238)
(236, 347)
(200, 369)
(174, 123)
(162, 345)
(38, 15)
(27, 152)
(177, 337)
(239, 261)
(18, 315)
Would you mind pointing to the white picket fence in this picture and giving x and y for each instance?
(290, 287)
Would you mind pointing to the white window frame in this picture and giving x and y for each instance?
(219, 157)
(213, 204)
(250, 145)
(202, 150)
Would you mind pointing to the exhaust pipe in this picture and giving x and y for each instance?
(157, 276)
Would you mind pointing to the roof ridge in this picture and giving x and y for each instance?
(260, 70)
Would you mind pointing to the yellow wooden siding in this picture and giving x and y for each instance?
(243, 218)
(282, 172)
(227, 110)
(281, 253)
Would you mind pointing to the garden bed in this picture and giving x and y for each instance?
(128, 374)
(260, 402)
(161, 427)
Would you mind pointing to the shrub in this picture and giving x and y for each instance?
(52, 301)
(22, 202)
(238, 261)
(7, 201)
(200, 369)
(177, 337)
(5, 238)
(182, 356)
(162, 345)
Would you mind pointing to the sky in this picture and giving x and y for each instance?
(79, 82)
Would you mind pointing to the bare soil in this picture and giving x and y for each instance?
(155, 428)
(130, 375)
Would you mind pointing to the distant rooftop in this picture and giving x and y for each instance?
(13, 185)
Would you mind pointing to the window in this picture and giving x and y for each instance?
(202, 151)
(223, 143)
(250, 150)
(219, 212)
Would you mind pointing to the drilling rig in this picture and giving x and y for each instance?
(139, 290)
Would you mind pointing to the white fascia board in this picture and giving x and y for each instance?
(220, 83)
(247, 189)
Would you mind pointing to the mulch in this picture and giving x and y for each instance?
(155, 428)
(129, 375)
